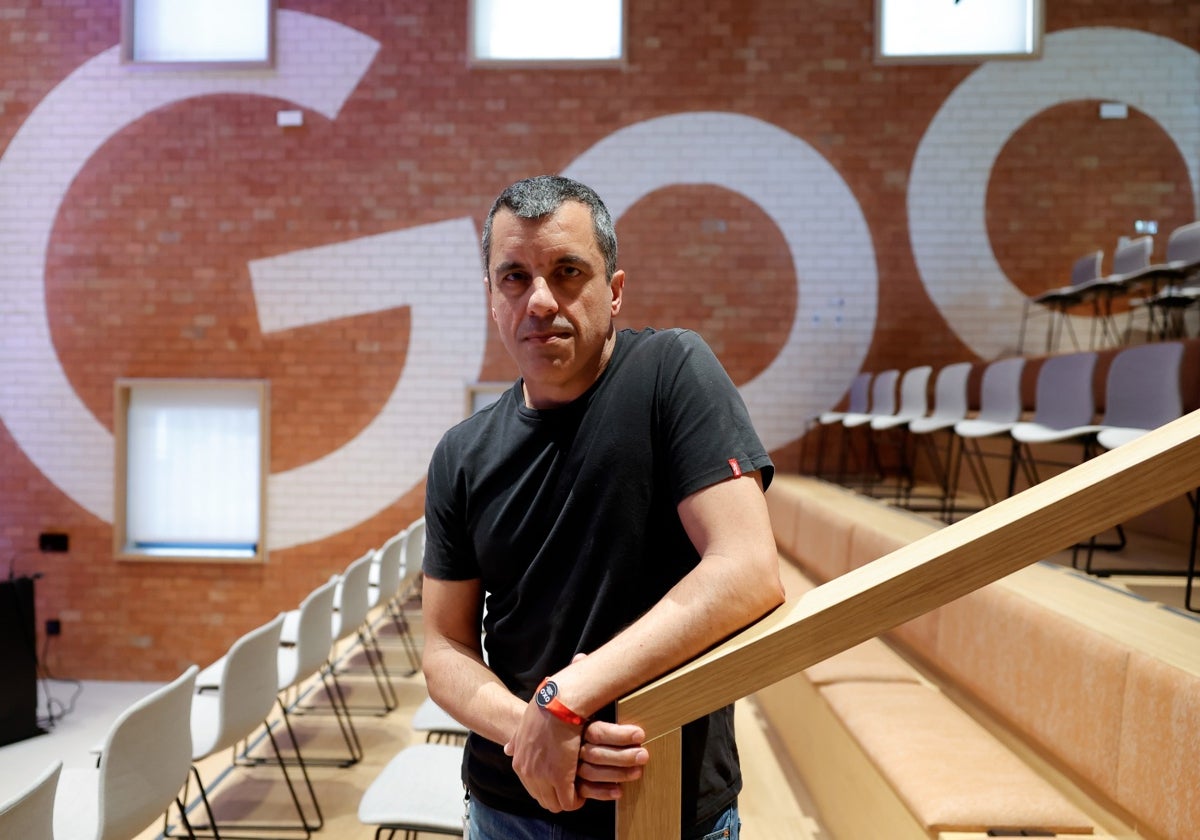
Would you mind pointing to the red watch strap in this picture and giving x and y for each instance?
(547, 698)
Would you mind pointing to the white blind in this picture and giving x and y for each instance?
(970, 27)
(193, 467)
(200, 30)
(548, 30)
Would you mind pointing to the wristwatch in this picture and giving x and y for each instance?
(547, 698)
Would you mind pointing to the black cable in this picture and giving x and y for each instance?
(46, 678)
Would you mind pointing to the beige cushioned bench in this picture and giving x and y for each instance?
(1107, 705)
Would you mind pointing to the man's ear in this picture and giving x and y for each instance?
(487, 290)
(618, 291)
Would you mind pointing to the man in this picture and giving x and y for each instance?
(610, 508)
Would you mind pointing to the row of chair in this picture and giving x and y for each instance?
(419, 789)
(1142, 391)
(1162, 291)
(153, 748)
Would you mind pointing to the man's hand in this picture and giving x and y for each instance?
(610, 755)
(602, 757)
(545, 754)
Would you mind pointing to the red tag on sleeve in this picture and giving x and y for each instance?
(737, 470)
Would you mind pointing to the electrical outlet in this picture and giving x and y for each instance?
(53, 627)
(53, 543)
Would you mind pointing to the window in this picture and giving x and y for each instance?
(957, 30)
(227, 33)
(482, 394)
(543, 31)
(191, 469)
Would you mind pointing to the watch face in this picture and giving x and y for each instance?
(546, 693)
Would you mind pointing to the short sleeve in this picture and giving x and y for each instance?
(449, 553)
(709, 436)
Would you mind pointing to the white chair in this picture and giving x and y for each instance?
(143, 766)
(414, 549)
(351, 605)
(949, 407)
(1065, 407)
(999, 410)
(914, 402)
(304, 652)
(1147, 392)
(418, 791)
(30, 814)
(437, 724)
(388, 581)
(234, 698)
(414, 558)
(1060, 301)
(883, 403)
(883, 400)
(386, 567)
(1172, 285)
(1142, 392)
(1131, 261)
(858, 401)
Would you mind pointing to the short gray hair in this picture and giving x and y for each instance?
(533, 198)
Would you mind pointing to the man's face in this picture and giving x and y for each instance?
(551, 301)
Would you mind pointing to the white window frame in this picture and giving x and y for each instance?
(482, 394)
(141, 44)
(126, 545)
(930, 15)
(479, 55)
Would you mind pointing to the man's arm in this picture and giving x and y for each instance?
(736, 582)
(456, 676)
(460, 682)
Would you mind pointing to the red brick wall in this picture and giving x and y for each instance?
(146, 268)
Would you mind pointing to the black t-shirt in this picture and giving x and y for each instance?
(568, 517)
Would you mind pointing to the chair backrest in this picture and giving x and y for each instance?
(1086, 268)
(249, 683)
(414, 547)
(950, 391)
(352, 602)
(1064, 391)
(145, 759)
(1183, 245)
(1142, 390)
(1000, 391)
(30, 814)
(1133, 256)
(860, 394)
(914, 391)
(883, 392)
(314, 634)
(389, 563)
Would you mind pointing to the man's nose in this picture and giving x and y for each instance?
(541, 298)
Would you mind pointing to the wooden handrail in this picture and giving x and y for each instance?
(915, 579)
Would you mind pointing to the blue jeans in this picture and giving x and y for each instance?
(489, 824)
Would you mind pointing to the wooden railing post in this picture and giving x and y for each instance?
(919, 577)
(649, 807)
